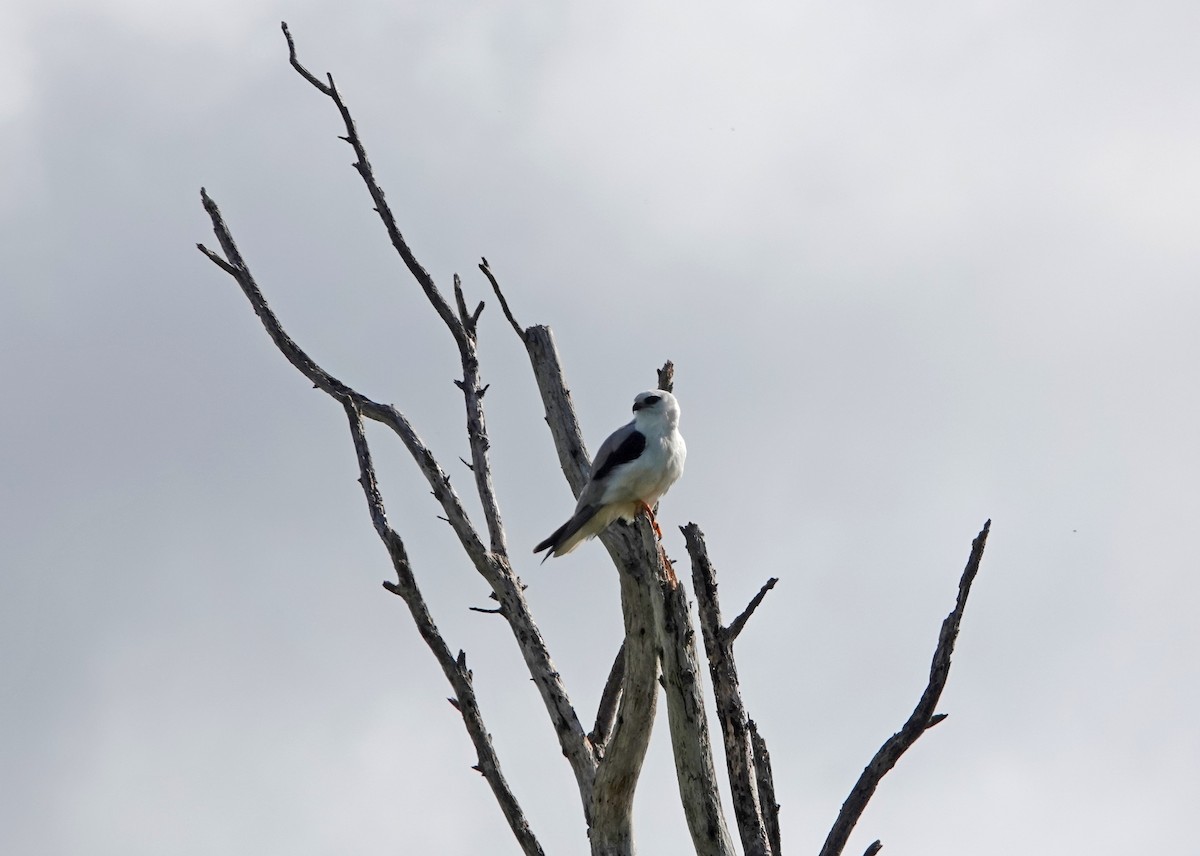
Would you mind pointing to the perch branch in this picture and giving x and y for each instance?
(624, 751)
(922, 716)
(634, 551)
(455, 669)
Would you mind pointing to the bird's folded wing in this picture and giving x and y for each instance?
(622, 446)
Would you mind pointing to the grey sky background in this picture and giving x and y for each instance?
(917, 265)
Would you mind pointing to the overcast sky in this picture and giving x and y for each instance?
(918, 265)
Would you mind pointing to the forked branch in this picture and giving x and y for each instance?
(491, 561)
(922, 717)
(455, 668)
(740, 758)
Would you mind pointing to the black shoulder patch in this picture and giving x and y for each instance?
(628, 451)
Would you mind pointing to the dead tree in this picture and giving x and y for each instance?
(659, 635)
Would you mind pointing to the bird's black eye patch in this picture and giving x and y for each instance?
(648, 401)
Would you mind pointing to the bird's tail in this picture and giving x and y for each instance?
(584, 524)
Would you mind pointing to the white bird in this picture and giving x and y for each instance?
(635, 466)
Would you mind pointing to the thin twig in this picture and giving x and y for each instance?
(363, 165)
(874, 848)
(454, 668)
(308, 75)
(738, 624)
(487, 271)
(922, 716)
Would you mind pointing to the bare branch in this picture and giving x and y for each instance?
(459, 325)
(215, 258)
(438, 480)
(738, 624)
(606, 713)
(494, 567)
(305, 73)
(874, 848)
(460, 301)
(363, 165)
(739, 751)
(655, 610)
(236, 267)
(481, 465)
(455, 669)
(487, 271)
(694, 767)
(766, 787)
(560, 409)
(634, 551)
(921, 718)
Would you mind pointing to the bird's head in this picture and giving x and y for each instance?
(655, 407)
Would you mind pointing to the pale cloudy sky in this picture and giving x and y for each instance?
(918, 265)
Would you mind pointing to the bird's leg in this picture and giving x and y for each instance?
(653, 521)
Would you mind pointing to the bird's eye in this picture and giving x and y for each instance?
(651, 399)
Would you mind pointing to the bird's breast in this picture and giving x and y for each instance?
(650, 476)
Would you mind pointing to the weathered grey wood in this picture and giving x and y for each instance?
(766, 787)
(611, 832)
(560, 409)
(646, 571)
(731, 712)
(690, 743)
(611, 810)
(610, 698)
